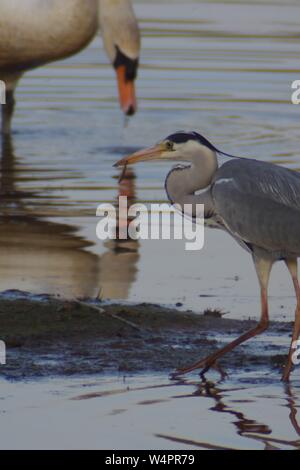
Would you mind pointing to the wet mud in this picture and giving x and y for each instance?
(46, 336)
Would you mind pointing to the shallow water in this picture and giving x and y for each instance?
(149, 412)
(222, 69)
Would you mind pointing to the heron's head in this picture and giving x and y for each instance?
(121, 37)
(181, 146)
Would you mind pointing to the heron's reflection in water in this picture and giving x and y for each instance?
(245, 427)
(42, 256)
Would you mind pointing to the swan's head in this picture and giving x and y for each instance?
(121, 38)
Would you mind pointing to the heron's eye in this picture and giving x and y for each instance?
(169, 145)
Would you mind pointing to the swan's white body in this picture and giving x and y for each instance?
(35, 32)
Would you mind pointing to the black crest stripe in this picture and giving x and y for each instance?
(182, 137)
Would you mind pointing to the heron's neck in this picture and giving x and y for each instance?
(182, 183)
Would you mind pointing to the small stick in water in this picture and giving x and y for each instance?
(123, 174)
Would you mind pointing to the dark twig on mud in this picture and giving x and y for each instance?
(112, 315)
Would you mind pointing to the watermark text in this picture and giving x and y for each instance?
(2, 353)
(157, 222)
(295, 98)
(2, 92)
(296, 354)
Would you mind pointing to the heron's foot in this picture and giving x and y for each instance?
(215, 365)
(185, 370)
(205, 365)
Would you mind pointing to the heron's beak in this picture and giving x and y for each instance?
(153, 153)
(126, 92)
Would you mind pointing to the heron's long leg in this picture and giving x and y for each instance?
(8, 111)
(293, 268)
(263, 269)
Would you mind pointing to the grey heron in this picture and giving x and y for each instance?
(256, 202)
(33, 33)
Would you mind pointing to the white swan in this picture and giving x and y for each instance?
(35, 32)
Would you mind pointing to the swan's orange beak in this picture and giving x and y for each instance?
(153, 153)
(126, 92)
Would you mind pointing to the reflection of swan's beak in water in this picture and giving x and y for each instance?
(119, 263)
(118, 270)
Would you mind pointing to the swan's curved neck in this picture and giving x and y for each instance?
(183, 182)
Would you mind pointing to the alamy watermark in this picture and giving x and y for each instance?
(154, 222)
(296, 354)
(295, 98)
(2, 353)
(2, 92)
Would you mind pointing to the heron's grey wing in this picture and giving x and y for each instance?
(259, 203)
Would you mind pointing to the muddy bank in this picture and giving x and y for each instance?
(53, 337)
